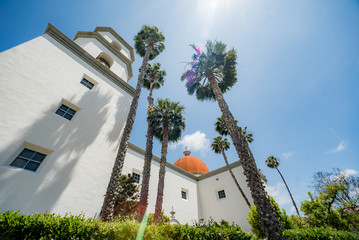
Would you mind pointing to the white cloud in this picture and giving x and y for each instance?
(287, 154)
(279, 192)
(342, 145)
(194, 142)
(348, 172)
(292, 210)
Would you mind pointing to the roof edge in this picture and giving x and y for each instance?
(157, 159)
(119, 38)
(103, 41)
(57, 35)
(219, 170)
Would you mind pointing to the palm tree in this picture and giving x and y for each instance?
(154, 79)
(221, 128)
(219, 146)
(148, 44)
(212, 73)
(168, 125)
(273, 162)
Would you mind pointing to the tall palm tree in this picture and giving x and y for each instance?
(148, 44)
(273, 162)
(212, 73)
(168, 124)
(221, 128)
(219, 146)
(154, 79)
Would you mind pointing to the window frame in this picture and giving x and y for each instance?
(68, 105)
(88, 79)
(183, 190)
(134, 174)
(31, 147)
(219, 191)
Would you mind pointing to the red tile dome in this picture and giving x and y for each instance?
(191, 164)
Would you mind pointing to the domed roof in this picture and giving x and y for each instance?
(191, 164)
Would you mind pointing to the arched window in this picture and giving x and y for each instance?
(105, 59)
(117, 45)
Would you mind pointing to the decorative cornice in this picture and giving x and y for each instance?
(81, 53)
(219, 170)
(119, 38)
(157, 159)
(114, 50)
(184, 172)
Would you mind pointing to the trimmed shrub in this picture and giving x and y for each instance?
(319, 234)
(14, 225)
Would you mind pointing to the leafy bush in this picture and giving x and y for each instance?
(204, 231)
(14, 225)
(319, 234)
(254, 222)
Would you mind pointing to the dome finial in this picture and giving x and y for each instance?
(187, 152)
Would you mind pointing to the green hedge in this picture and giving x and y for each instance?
(14, 225)
(319, 234)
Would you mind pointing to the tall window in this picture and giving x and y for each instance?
(66, 112)
(137, 177)
(221, 194)
(184, 194)
(28, 159)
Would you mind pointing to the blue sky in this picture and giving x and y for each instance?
(298, 73)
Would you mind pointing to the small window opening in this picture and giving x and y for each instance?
(87, 83)
(66, 112)
(29, 160)
(221, 194)
(137, 177)
(184, 194)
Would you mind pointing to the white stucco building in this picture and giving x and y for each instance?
(63, 108)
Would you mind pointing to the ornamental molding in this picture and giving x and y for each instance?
(61, 38)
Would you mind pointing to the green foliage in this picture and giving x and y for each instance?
(216, 63)
(13, 225)
(319, 234)
(149, 36)
(127, 198)
(204, 231)
(254, 222)
(154, 77)
(220, 145)
(342, 188)
(221, 128)
(320, 211)
(171, 113)
(163, 219)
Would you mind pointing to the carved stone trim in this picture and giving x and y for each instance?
(85, 56)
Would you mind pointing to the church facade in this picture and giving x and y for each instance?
(64, 106)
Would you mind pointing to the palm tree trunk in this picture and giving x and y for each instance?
(290, 194)
(113, 185)
(146, 173)
(161, 177)
(270, 223)
(234, 179)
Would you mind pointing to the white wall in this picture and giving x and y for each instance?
(186, 210)
(34, 77)
(94, 48)
(233, 208)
